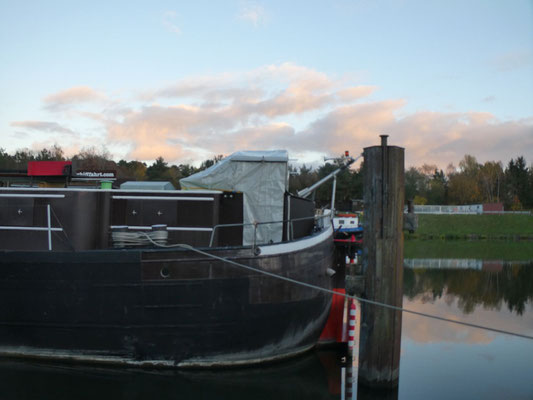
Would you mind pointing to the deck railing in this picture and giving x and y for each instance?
(319, 222)
(214, 230)
(48, 228)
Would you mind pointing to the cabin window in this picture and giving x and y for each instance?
(341, 221)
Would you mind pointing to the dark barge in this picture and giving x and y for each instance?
(75, 285)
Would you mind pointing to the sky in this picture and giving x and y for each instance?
(188, 80)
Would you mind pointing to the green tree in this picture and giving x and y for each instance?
(437, 192)
(518, 190)
(349, 187)
(463, 186)
(6, 160)
(463, 189)
(54, 153)
(302, 178)
(490, 180)
(469, 166)
(158, 170)
(427, 184)
(22, 157)
(186, 170)
(90, 158)
(414, 183)
(212, 161)
(131, 170)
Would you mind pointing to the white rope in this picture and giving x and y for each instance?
(308, 285)
(135, 238)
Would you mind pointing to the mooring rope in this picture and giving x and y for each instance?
(329, 291)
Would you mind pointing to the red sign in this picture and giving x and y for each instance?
(49, 168)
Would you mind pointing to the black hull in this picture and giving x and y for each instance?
(169, 308)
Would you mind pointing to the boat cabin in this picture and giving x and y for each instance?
(241, 201)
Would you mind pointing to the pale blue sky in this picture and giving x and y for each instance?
(457, 75)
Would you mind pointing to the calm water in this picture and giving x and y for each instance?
(438, 359)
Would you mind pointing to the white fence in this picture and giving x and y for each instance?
(443, 263)
(466, 209)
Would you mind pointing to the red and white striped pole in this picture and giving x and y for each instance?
(351, 328)
(352, 369)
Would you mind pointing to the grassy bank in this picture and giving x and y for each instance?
(508, 226)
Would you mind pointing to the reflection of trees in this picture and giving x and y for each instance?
(513, 285)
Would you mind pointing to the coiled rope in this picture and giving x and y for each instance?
(329, 291)
(136, 238)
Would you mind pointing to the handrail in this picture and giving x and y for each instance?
(256, 224)
(49, 228)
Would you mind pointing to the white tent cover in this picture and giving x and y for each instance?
(262, 177)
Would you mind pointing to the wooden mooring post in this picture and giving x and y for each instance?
(379, 351)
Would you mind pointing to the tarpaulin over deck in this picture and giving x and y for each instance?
(262, 177)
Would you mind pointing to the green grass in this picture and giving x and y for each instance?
(506, 226)
(478, 249)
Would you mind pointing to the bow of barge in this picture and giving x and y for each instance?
(92, 275)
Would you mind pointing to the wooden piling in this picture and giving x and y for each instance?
(379, 352)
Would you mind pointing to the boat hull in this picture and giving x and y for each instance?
(165, 307)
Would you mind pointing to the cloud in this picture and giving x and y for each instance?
(253, 13)
(168, 22)
(232, 111)
(284, 106)
(71, 97)
(42, 126)
(352, 127)
(440, 138)
(270, 91)
(252, 109)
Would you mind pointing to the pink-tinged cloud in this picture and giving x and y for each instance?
(355, 93)
(71, 97)
(42, 126)
(250, 138)
(287, 106)
(350, 127)
(271, 91)
(440, 138)
(429, 137)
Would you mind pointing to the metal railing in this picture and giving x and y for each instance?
(49, 228)
(291, 221)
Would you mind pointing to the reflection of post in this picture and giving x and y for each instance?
(383, 264)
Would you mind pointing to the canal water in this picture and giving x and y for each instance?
(439, 360)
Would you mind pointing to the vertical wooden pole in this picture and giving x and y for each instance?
(379, 355)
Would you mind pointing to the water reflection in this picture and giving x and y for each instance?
(472, 282)
(444, 360)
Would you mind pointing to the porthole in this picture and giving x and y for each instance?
(165, 273)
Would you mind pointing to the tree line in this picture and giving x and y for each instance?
(469, 183)
(472, 183)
